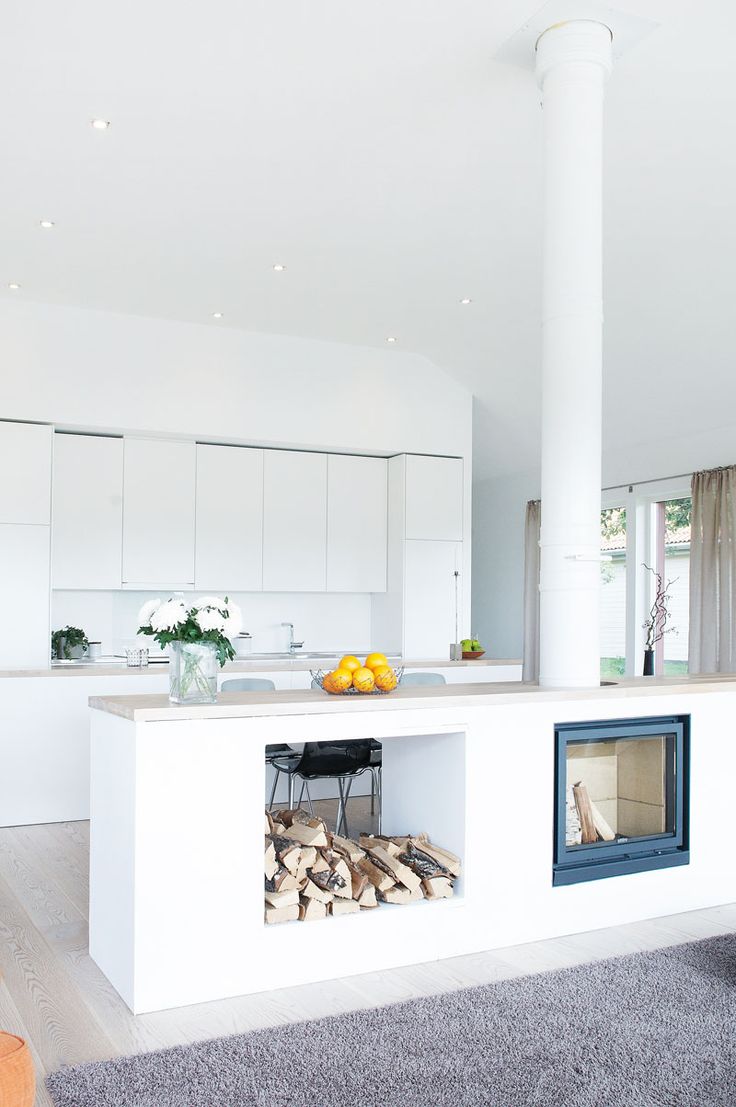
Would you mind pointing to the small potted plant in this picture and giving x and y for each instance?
(69, 644)
(656, 621)
(199, 637)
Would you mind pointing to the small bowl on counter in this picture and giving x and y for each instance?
(472, 655)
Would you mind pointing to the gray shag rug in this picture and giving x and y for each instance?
(647, 1030)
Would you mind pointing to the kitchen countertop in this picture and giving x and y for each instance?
(253, 665)
(233, 705)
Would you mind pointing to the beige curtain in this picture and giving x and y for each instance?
(530, 669)
(712, 647)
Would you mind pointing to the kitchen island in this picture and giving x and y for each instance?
(176, 909)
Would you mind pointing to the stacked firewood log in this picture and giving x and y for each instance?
(311, 873)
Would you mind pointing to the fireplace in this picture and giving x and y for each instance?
(621, 797)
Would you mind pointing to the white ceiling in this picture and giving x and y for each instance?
(380, 153)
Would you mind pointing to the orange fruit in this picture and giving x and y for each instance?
(363, 680)
(385, 678)
(375, 660)
(350, 663)
(337, 681)
(342, 679)
(328, 685)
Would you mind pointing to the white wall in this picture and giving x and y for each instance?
(499, 508)
(98, 370)
(498, 527)
(323, 621)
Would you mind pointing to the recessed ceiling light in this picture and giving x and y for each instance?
(217, 315)
(14, 286)
(100, 124)
(466, 300)
(279, 268)
(46, 223)
(390, 339)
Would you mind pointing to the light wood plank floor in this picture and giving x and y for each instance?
(53, 995)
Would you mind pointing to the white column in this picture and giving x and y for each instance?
(573, 62)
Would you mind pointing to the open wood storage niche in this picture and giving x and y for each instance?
(310, 872)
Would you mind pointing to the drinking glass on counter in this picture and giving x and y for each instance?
(136, 658)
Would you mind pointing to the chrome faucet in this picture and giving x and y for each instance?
(293, 646)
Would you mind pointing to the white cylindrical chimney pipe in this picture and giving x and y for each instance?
(573, 62)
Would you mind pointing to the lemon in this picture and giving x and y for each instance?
(363, 680)
(385, 678)
(341, 678)
(375, 661)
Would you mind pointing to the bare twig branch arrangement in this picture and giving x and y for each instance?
(656, 622)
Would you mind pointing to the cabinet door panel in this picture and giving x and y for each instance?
(356, 523)
(294, 521)
(158, 512)
(434, 498)
(429, 598)
(25, 473)
(24, 571)
(87, 535)
(229, 542)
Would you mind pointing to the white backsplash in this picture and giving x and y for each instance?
(323, 621)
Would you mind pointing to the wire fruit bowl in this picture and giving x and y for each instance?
(318, 676)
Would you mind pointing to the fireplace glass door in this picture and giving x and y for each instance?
(621, 792)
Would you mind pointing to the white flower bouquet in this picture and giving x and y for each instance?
(208, 619)
(196, 632)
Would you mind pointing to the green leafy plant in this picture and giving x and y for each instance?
(65, 640)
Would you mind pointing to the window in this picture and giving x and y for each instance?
(613, 593)
(672, 529)
(644, 525)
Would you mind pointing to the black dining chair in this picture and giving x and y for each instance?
(340, 761)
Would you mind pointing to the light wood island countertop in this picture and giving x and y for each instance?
(232, 705)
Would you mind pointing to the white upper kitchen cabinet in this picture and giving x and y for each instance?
(357, 489)
(24, 571)
(429, 597)
(229, 536)
(294, 521)
(434, 497)
(87, 535)
(25, 473)
(158, 513)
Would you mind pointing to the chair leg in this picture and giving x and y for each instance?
(277, 774)
(348, 786)
(373, 791)
(379, 776)
(291, 791)
(309, 798)
(340, 806)
(299, 801)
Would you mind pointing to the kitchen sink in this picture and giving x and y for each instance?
(300, 654)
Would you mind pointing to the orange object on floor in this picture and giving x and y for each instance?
(17, 1078)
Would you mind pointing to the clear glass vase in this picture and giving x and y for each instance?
(193, 672)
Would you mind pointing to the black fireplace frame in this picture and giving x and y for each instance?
(658, 851)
